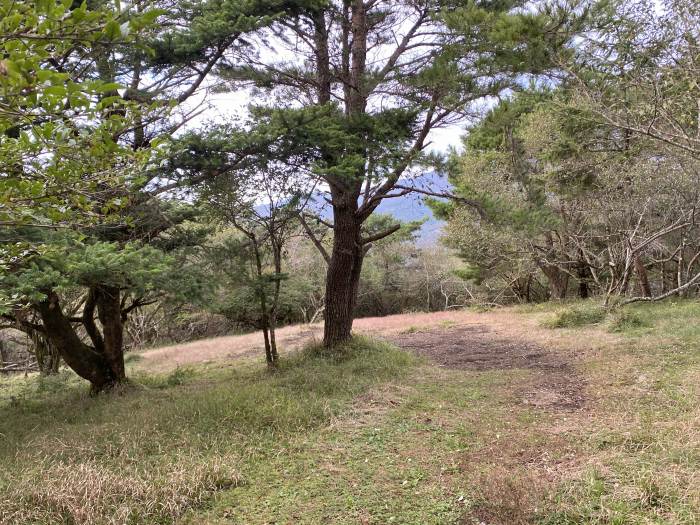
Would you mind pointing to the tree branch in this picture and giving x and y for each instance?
(665, 295)
(314, 239)
(206, 69)
(380, 235)
(469, 202)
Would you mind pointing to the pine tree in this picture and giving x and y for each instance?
(366, 84)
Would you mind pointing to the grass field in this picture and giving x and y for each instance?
(553, 414)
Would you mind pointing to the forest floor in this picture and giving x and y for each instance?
(551, 414)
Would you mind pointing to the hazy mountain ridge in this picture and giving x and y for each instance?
(408, 208)
(413, 208)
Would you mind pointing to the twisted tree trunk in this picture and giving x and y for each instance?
(84, 360)
(557, 279)
(109, 313)
(47, 356)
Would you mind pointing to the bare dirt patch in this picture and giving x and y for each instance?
(454, 339)
(475, 347)
(289, 338)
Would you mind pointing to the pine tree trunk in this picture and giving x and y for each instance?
(345, 260)
(109, 313)
(266, 339)
(558, 281)
(343, 276)
(583, 289)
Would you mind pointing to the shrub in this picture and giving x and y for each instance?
(623, 320)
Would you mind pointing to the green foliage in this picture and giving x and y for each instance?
(379, 223)
(515, 157)
(470, 273)
(625, 320)
(389, 281)
(58, 125)
(229, 256)
(531, 166)
(494, 131)
(239, 302)
(385, 282)
(69, 264)
(213, 23)
(640, 75)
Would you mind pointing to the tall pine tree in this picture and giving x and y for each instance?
(358, 86)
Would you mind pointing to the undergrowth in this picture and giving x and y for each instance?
(576, 315)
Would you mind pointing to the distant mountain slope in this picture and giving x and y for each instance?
(412, 208)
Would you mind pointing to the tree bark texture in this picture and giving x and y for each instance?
(84, 360)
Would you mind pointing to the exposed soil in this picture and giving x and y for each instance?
(476, 347)
(455, 340)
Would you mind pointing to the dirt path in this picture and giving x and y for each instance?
(466, 340)
(223, 349)
(555, 384)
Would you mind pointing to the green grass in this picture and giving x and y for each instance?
(371, 435)
(671, 319)
(627, 321)
(668, 319)
(187, 431)
(385, 461)
(582, 314)
(645, 449)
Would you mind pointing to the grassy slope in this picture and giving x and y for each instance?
(642, 448)
(378, 437)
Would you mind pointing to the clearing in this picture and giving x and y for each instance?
(479, 418)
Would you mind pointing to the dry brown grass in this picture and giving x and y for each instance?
(79, 493)
(222, 349)
(506, 496)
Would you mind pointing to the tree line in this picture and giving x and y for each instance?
(590, 185)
